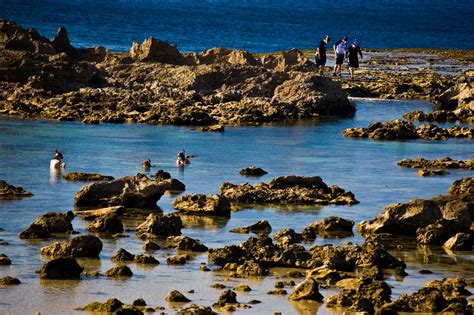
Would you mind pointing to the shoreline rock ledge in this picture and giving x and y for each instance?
(52, 79)
(288, 190)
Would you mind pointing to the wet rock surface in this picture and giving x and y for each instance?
(432, 221)
(288, 189)
(217, 86)
(80, 176)
(253, 171)
(403, 130)
(130, 191)
(155, 225)
(61, 268)
(79, 246)
(203, 204)
(12, 192)
(48, 223)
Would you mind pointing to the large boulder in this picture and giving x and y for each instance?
(288, 189)
(166, 225)
(154, 50)
(203, 204)
(80, 246)
(51, 222)
(130, 191)
(11, 192)
(61, 268)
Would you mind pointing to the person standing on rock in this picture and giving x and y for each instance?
(340, 53)
(320, 55)
(352, 55)
(55, 163)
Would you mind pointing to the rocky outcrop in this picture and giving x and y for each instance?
(130, 191)
(459, 96)
(218, 86)
(253, 171)
(432, 221)
(165, 225)
(154, 50)
(447, 295)
(203, 204)
(61, 268)
(331, 225)
(80, 246)
(80, 176)
(365, 296)
(440, 163)
(288, 189)
(264, 252)
(11, 192)
(460, 115)
(403, 130)
(109, 223)
(51, 222)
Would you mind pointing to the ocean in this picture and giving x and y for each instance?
(256, 26)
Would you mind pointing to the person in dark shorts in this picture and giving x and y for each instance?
(320, 55)
(352, 55)
(340, 53)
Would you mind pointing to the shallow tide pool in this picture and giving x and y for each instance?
(365, 167)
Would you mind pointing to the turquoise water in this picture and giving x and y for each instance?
(366, 167)
(254, 25)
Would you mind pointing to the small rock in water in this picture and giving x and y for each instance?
(145, 259)
(150, 246)
(425, 272)
(430, 172)
(242, 288)
(178, 259)
(111, 305)
(139, 302)
(278, 292)
(4, 260)
(61, 268)
(176, 296)
(11, 192)
(78, 176)
(9, 281)
(120, 271)
(253, 171)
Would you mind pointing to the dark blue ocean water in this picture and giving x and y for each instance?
(258, 26)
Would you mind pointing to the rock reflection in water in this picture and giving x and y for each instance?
(203, 222)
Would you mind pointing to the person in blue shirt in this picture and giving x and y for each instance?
(352, 54)
(320, 55)
(340, 52)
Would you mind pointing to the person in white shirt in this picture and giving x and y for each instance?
(56, 163)
(340, 52)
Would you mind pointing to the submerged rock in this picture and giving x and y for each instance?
(11, 192)
(51, 222)
(213, 128)
(203, 204)
(327, 226)
(60, 268)
(253, 171)
(261, 226)
(177, 297)
(79, 246)
(166, 225)
(130, 191)
(80, 176)
(429, 172)
(288, 189)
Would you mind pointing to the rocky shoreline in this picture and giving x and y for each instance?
(155, 83)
